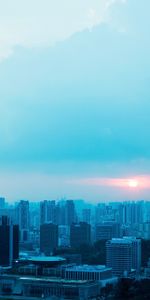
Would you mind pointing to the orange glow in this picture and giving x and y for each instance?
(138, 182)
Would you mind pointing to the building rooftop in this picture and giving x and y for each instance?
(124, 240)
(41, 279)
(53, 279)
(46, 259)
(88, 268)
(43, 260)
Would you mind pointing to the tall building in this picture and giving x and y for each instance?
(64, 235)
(80, 234)
(10, 212)
(136, 253)
(100, 212)
(107, 231)
(43, 212)
(9, 242)
(124, 255)
(2, 203)
(133, 212)
(15, 241)
(47, 212)
(86, 215)
(23, 220)
(48, 238)
(61, 213)
(70, 212)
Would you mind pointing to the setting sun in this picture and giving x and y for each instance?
(132, 183)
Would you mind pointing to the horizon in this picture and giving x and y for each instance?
(75, 200)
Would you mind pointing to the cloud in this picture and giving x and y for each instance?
(84, 103)
(38, 185)
(140, 182)
(31, 23)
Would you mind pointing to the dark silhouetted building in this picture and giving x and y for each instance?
(80, 234)
(107, 231)
(9, 241)
(24, 220)
(48, 238)
(70, 212)
(15, 242)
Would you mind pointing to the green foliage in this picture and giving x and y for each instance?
(91, 254)
(145, 251)
(130, 289)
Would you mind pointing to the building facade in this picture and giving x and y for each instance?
(48, 238)
(124, 256)
(80, 234)
(87, 272)
(24, 220)
(9, 242)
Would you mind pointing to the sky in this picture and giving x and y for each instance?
(74, 99)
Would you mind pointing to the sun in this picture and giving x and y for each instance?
(133, 183)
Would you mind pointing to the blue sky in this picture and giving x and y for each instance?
(74, 98)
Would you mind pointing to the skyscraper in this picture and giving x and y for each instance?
(80, 234)
(47, 212)
(9, 241)
(133, 212)
(124, 255)
(107, 230)
(23, 220)
(100, 212)
(86, 215)
(2, 202)
(136, 253)
(70, 212)
(64, 235)
(48, 238)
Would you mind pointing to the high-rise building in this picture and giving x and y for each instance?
(86, 215)
(70, 212)
(132, 212)
(15, 241)
(61, 213)
(2, 203)
(9, 212)
(9, 241)
(136, 253)
(100, 212)
(80, 234)
(23, 220)
(64, 235)
(48, 238)
(107, 231)
(124, 255)
(47, 211)
(43, 212)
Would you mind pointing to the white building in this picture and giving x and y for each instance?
(87, 272)
(124, 256)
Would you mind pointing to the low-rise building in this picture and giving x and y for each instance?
(41, 287)
(87, 272)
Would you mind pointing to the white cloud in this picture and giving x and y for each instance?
(33, 23)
